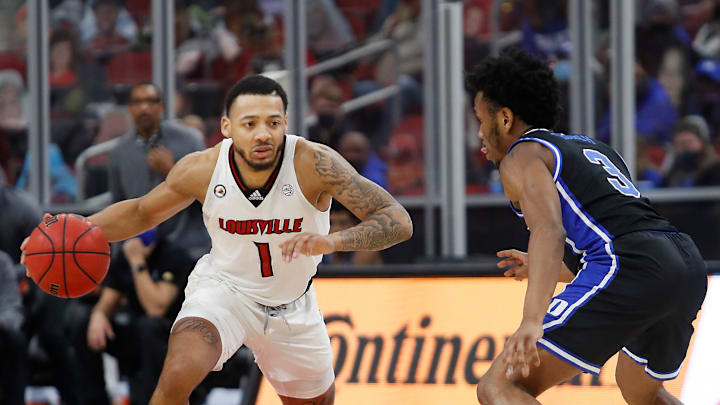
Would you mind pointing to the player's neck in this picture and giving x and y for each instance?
(253, 178)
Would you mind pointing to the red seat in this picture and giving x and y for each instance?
(130, 68)
(11, 60)
(656, 154)
(139, 10)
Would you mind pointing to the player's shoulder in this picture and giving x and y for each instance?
(310, 150)
(309, 154)
(196, 167)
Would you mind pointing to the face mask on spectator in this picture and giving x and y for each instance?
(326, 120)
(688, 160)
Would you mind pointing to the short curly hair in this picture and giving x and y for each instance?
(520, 82)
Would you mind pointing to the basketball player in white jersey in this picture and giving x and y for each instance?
(266, 200)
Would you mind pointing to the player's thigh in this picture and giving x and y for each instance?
(193, 351)
(295, 355)
(636, 385)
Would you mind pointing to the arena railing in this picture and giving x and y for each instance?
(392, 90)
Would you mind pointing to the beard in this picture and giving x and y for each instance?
(494, 140)
(259, 167)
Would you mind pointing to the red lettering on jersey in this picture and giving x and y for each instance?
(262, 226)
(276, 227)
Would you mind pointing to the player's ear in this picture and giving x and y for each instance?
(225, 126)
(286, 119)
(506, 118)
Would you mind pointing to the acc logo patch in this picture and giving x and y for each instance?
(287, 189)
(220, 191)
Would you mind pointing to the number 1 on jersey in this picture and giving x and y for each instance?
(265, 259)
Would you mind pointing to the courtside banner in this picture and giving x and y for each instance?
(428, 340)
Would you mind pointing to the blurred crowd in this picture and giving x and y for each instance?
(100, 71)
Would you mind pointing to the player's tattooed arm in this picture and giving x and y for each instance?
(384, 222)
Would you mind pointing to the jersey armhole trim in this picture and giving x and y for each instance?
(553, 149)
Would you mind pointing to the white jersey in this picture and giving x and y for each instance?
(247, 226)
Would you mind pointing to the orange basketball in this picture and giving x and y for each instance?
(67, 255)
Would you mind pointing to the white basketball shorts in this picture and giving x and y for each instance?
(290, 343)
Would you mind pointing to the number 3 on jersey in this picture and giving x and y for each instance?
(265, 259)
(617, 179)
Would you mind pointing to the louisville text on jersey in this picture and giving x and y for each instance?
(261, 226)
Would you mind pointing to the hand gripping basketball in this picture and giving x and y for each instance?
(66, 255)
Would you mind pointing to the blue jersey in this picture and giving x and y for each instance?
(599, 201)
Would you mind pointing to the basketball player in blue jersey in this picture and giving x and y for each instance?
(635, 283)
(266, 199)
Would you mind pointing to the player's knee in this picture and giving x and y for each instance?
(634, 395)
(487, 389)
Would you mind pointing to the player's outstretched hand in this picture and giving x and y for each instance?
(308, 244)
(516, 258)
(24, 244)
(520, 353)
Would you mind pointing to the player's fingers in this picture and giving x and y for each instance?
(109, 332)
(93, 340)
(504, 253)
(309, 246)
(301, 246)
(46, 216)
(507, 262)
(287, 247)
(509, 273)
(534, 356)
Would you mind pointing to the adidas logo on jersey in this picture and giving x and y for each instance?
(256, 196)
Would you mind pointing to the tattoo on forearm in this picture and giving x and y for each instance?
(386, 223)
(197, 324)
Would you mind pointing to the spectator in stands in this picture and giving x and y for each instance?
(655, 114)
(18, 39)
(707, 39)
(405, 28)
(708, 94)
(405, 165)
(545, 30)
(140, 298)
(12, 100)
(695, 163)
(64, 59)
(107, 27)
(19, 214)
(327, 29)
(14, 365)
(355, 148)
(69, 11)
(70, 94)
(341, 218)
(326, 98)
(195, 50)
(143, 157)
(62, 182)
